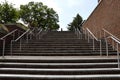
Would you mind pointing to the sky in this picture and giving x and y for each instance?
(66, 9)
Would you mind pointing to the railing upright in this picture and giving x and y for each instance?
(89, 33)
(4, 41)
(19, 38)
(28, 34)
(118, 55)
(115, 41)
(78, 33)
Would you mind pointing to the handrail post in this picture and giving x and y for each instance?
(93, 44)
(88, 37)
(77, 33)
(20, 45)
(100, 48)
(75, 30)
(39, 36)
(106, 46)
(85, 34)
(13, 36)
(80, 36)
(18, 33)
(3, 51)
(11, 47)
(113, 45)
(27, 38)
(104, 33)
(31, 36)
(118, 55)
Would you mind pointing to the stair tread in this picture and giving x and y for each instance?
(88, 69)
(58, 76)
(112, 63)
(59, 57)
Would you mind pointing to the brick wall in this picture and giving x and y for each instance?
(106, 15)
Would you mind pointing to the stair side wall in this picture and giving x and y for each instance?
(106, 15)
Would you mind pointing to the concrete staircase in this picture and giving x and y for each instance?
(59, 56)
(60, 44)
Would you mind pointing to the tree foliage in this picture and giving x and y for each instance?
(8, 14)
(76, 23)
(38, 15)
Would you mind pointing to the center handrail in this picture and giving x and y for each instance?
(114, 40)
(28, 34)
(90, 34)
(109, 36)
(22, 35)
(117, 48)
(105, 31)
(4, 42)
(40, 29)
(19, 38)
(78, 33)
(9, 34)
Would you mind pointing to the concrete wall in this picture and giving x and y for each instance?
(106, 15)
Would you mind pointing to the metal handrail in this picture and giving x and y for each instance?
(92, 34)
(40, 29)
(38, 34)
(19, 38)
(94, 38)
(43, 32)
(4, 42)
(78, 33)
(8, 34)
(117, 49)
(22, 35)
(114, 40)
(109, 34)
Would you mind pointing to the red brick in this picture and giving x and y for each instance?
(106, 15)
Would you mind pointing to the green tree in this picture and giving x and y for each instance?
(38, 15)
(8, 14)
(52, 19)
(76, 23)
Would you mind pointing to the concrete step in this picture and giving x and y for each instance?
(57, 59)
(55, 43)
(58, 54)
(58, 40)
(58, 65)
(24, 49)
(58, 48)
(37, 44)
(51, 60)
(59, 71)
(61, 51)
(58, 77)
(60, 45)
